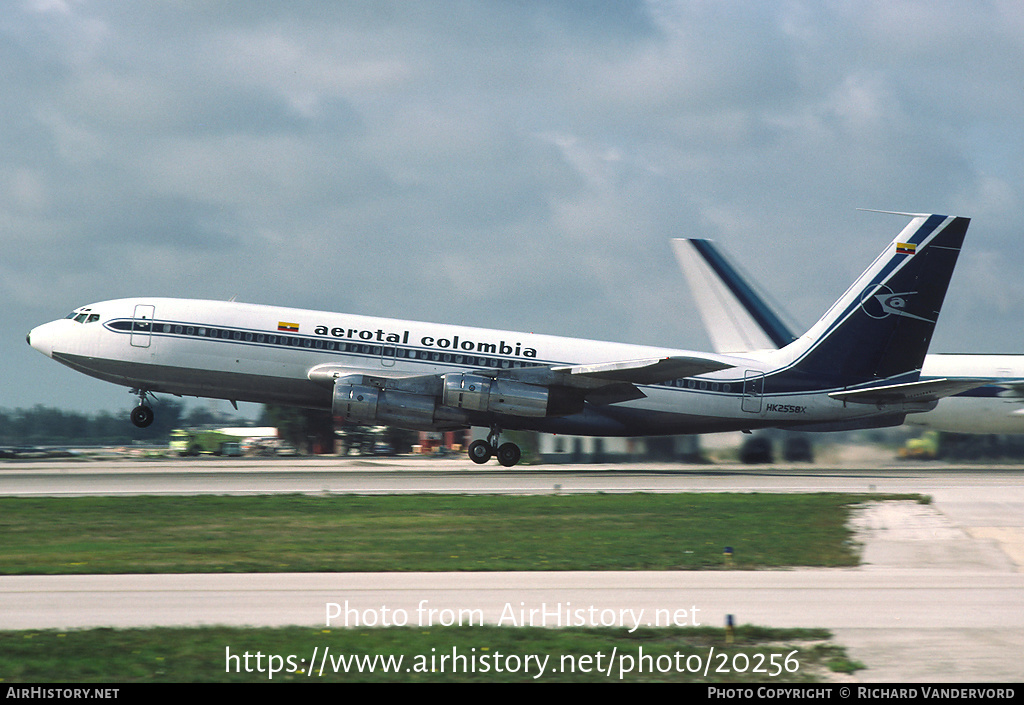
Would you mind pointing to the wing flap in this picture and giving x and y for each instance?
(645, 371)
(1012, 389)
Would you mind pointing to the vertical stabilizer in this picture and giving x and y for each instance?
(882, 326)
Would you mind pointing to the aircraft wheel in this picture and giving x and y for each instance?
(509, 454)
(142, 416)
(480, 452)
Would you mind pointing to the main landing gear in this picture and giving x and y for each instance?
(142, 415)
(481, 451)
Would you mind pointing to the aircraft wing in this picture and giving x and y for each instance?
(923, 391)
(615, 382)
(604, 383)
(328, 374)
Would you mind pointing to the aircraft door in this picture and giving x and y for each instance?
(753, 389)
(142, 325)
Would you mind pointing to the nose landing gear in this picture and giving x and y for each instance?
(481, 451)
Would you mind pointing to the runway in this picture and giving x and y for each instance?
(937, 598)
(459, 476)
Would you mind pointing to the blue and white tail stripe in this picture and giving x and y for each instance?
(752, 304)
(881, 327)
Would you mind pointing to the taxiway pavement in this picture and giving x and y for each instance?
(937, 598)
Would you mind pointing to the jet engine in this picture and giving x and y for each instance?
(362, 403)
(477, 393)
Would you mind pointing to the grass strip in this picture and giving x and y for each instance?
(453, 654)
(301, 533)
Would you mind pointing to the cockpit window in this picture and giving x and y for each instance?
(84, 316)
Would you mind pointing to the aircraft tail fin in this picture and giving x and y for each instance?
(736, 317)
(881, 327)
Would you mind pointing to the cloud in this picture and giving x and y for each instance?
(514, 165)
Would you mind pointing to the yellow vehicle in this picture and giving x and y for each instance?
(926, 447)
(195, 442)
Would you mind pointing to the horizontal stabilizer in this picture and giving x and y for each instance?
(924, 391)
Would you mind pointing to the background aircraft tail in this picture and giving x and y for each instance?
(736, 317)
(882, 326)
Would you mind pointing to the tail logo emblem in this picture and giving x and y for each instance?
(882, 302)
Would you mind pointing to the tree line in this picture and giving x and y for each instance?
(306, 429)
(48, 426)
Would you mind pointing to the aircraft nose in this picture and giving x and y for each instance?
(41, 338)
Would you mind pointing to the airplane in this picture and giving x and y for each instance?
(857, 367)
(738, 320)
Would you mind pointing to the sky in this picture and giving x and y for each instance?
(518, 165)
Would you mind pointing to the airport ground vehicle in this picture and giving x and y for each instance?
(195, 442)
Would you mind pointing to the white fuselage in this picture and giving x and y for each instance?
(994, 408)
(246, 352)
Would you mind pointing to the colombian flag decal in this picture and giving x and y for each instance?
(287, 327)
(905, 248)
